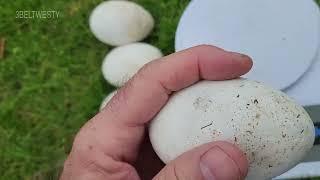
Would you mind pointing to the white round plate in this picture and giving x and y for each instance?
(282, 37)
(307, 89)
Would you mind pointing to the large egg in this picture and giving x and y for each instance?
(120, 22)
(124, 61)
(272, 129)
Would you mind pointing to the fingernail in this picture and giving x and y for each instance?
(239, 55)
(216, 164)
(243, 59)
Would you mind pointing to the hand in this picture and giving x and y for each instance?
(113, 146)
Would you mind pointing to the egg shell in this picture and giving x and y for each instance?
(120, 22)
(123, 62)
(272, 130)
(106, 100)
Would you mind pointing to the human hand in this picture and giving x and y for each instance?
(113, 144)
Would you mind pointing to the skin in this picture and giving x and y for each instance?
(113, 144)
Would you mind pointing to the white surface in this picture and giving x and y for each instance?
(124, 61)
(282, 37)
(302, 170)
(254, 117)
(120, 22)
(307, 89)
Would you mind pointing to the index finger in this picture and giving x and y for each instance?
(144, 95)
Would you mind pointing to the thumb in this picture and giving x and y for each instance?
(212, 161)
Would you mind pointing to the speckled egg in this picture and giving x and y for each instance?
(272, 130)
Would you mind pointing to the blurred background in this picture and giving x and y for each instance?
(51, 81)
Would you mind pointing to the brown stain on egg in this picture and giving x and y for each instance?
(258, 116)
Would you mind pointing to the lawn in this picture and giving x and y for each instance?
(50, 79)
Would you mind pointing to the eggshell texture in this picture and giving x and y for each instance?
(120, 22)
(106, 100)
(124, 61)
(273, 131)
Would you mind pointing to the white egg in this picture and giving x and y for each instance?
(123, 62)
(106, 100)
(273, 131)
(120, 22)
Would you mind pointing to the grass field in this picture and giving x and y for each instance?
(50, 78)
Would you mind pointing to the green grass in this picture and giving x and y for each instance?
(50, 78)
